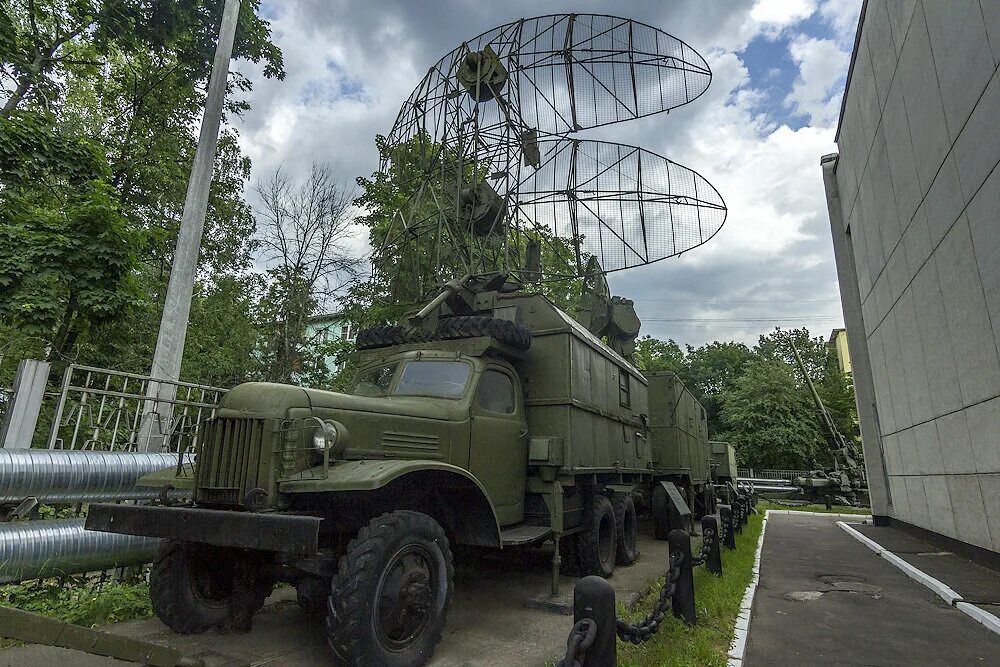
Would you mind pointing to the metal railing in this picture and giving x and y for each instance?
(101, 409)
(764, 473)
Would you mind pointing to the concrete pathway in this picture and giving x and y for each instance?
(826, 599)
(488, 624)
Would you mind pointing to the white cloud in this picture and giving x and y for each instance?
(778, 14)
(843, 16)
(818, 87)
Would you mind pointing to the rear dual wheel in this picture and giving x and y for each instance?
(626, 529)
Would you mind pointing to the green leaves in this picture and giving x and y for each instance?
(66, 253)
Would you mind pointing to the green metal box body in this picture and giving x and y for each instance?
(580, 392)
(678, 429)
(724, 461)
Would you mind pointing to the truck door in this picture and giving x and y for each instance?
(498, 455)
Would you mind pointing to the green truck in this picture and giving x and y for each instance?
(494, 420)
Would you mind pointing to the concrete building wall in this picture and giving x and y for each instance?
(917, 193)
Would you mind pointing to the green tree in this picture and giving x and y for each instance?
(128, 79)
(765, 415)
(652, 354)
(710, 371)
(67, 255)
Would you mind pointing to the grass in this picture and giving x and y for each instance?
(764, 505)
(717, 603)
(85, 603)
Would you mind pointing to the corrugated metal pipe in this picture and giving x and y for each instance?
(71, 476)
(35, 549)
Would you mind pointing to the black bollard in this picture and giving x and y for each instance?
(683, 599)
(710, 530)
(728, 532)
(594, 597)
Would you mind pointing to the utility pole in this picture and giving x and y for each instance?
(177, 306)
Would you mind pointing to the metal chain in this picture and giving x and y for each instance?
(707, 539)
(580, 639)
(646, 628)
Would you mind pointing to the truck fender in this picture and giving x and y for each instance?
(470, 514)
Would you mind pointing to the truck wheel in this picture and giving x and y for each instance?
(596, 544)
(390, 597)
(189, 588)
(626, 529)
(510, 333)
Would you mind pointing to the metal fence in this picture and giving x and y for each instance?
(762, 473)
(101, 409)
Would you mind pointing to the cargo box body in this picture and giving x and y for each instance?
(583, 398)
(724, 462)
(678, 429)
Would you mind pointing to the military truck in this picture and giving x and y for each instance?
(679, 442)
(512, 426)
(723, 462)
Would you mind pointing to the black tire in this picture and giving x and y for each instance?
(626, 529)
(312, 594)
(407, 545)
(190, 587)
(384, 336)
(510, 333)
(596, 544)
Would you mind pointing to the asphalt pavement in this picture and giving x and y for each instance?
(826, 599)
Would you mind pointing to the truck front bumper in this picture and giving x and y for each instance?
(249, 530)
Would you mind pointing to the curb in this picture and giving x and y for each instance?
(945, 592)
(857, 517)
(742, 630)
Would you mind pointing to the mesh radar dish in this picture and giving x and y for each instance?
(491, 176)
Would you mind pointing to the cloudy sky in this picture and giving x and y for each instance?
(758, 133)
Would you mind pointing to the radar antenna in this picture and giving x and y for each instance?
(492, 177)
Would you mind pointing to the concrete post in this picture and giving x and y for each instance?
(683, 599)
(177, 305)
(594, 597)
(857, 342)
(710, 531)
(22, 414)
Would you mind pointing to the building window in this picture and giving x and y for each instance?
(624, 393)
(345, 331)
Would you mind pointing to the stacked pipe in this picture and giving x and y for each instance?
(71, 476)
(33, 549)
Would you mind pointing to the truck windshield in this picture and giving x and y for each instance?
(446, 379)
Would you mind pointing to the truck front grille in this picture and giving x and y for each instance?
(229, 460)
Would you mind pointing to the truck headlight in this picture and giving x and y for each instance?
(319, 439)
(326, 437)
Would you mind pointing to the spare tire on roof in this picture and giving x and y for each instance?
(510, 333)
(383, 336)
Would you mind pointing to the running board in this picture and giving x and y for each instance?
(521, 534)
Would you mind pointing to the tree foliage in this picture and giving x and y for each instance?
(98, 128)
(757, 398)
